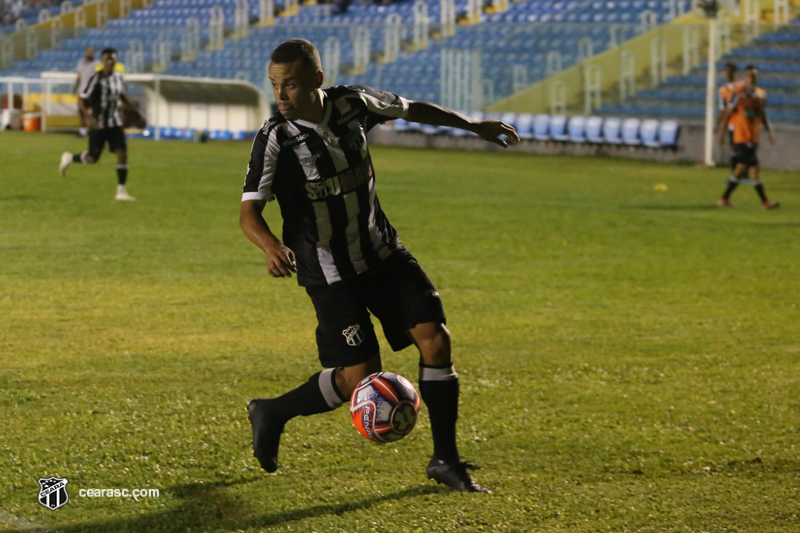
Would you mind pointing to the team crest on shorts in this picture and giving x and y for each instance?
(353, 335)
(53, 492)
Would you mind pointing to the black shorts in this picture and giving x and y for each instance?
(745, 154)
(98, 138)
(398, 293)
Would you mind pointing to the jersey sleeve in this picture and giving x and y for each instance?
(381, 105)
(88, 87)
(260, 175)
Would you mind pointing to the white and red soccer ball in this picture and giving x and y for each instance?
(384, 407)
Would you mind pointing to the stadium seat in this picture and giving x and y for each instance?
(524, 125)
(594, 130)
(668, 133)
(649, 133)
(541, 127)
(509, 118)
(430, 129)
(558, 128)
(611, 130)
(630, 132)
(576, 129)
(400, 124)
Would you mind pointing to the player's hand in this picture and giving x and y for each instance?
(491, 130)
(771, 137)
(91, 122)
(281, 262)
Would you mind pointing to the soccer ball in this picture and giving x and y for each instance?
(384, 407)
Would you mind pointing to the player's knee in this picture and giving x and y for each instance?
(434, 346)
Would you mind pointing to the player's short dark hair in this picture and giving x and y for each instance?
(752, 68)
(112, 51)
(731, 66)
(297, 49)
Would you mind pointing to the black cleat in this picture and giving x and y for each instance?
(266, 434)
(454, 475)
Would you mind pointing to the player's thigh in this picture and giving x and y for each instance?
(402, 296)
(116, 140)
(97, 142)
(345, 336)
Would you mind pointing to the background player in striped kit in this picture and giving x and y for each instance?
(99, 100)
(313, 157)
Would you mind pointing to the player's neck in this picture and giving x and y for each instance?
(316, 112)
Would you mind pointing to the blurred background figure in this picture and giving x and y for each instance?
(86, 67)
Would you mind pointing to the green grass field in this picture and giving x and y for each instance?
(629, 358)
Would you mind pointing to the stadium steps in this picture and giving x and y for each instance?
(776, 55)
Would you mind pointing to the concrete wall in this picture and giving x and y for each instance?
(784, 154)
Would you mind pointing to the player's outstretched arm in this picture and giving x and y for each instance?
(489, 130)
(280, 259)
(721, 131)
(90, 120)
(767, 126)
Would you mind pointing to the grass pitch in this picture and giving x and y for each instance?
(629, 357)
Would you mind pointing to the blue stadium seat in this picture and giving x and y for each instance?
(630, 132)
(430, 129)
(558, 128)
(524, 125)
(649, 133)
(509, 118)
(612, 130)
(541, 127)
(668, 133)
(594, 130)
(576, 129)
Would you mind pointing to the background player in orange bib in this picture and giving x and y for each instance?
(746, 111)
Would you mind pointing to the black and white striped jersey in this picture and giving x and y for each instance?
(102, 93)
(323, 178)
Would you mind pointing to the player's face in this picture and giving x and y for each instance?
(294, 86)
(89, 53)
(750, 79)
(109, 60)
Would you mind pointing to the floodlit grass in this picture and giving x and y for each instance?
(629, 358)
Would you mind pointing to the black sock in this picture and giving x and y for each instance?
(439, 390)
(317, 395)
(731, 186)
(76, 158)
(122, 174)
(759, 187)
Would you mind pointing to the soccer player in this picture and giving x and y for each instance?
(725, 94)
(747, 111)
(99, 100)
(85, 69)
(313, 157)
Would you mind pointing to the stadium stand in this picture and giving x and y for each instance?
(523, 38)
(777, 56)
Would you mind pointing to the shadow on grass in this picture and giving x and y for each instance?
(207, 507)
(703, 207)
(18, 198)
